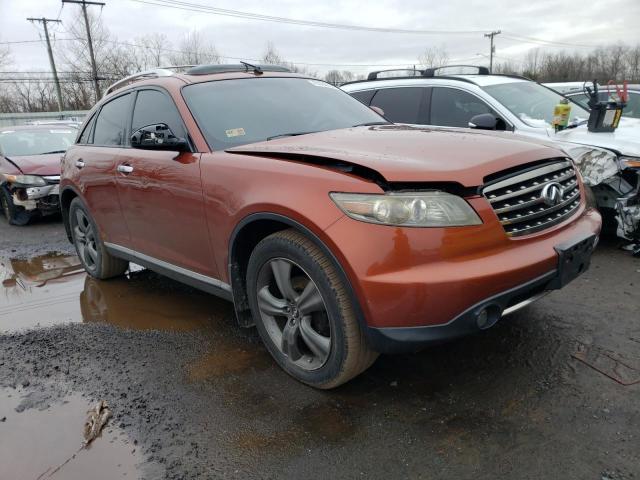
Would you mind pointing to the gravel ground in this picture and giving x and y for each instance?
(540, 395)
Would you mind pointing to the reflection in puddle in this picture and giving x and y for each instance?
(145, 301)
(34, 441)
(54, 289)
(41, 291)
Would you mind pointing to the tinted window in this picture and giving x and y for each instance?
(154, 107)
(241, 111)
(364, 96)
(401, 105)
(111, 124)
(85, 138)
(451, 107)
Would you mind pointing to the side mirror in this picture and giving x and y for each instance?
(378, 110)
(158, 137)
(484, 121)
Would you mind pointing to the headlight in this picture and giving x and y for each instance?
(26, 180)
(416, 209)
(629, 162)
(595, 164)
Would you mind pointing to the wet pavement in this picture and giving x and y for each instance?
(549, 393)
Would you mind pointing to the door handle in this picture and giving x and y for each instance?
(125, 169)
(79, 163)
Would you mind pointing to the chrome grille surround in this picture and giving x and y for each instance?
(520, 202)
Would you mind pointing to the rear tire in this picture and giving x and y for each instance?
(93, 255)
(315, 337)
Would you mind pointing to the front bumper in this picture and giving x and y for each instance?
(419, 286)
(44, 199)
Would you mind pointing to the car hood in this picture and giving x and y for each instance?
(408, 154)
(37, 164)
(624, 140)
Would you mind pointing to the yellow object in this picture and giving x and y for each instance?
(561, 114)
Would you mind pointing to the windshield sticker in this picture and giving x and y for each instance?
(60, 131)
(318, 83)
(7, 131)
(235, 132)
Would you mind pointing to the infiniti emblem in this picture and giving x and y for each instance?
(552, 194)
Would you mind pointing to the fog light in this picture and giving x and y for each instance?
(488, 317)
(483, 319)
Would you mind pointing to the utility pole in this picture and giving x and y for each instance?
(94, 69)
(493, 48)
(52, 63)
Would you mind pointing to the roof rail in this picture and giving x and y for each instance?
(416, 72)
(153, 73)
(431, 72)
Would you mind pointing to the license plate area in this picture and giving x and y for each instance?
(574, 258)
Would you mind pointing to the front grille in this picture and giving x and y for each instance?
(534, 198)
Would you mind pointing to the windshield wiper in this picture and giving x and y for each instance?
(51, 152)
(371, 124)
(290, 134)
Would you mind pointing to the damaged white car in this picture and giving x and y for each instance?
(609, 162)
(30, 170)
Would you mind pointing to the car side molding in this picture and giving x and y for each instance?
(195, 279)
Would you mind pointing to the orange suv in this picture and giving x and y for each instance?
(336, 233)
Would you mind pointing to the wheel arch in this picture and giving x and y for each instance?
(247, 234)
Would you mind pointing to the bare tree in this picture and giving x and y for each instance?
(271, 56)
(434, 57)
(194, 49)
(154, 49)
(338, 77)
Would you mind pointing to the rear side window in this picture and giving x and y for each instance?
(153, 106)
(111, 124)
(85, 138)
(364, 96)
(401, 105)
(451, 107)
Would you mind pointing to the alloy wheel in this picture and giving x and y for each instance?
(85, 238)
(294, 313)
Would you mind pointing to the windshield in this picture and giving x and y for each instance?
(532, 103)
(37, 141)
(241, 111)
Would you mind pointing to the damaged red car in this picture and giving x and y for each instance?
(336, 233)
(30, 169)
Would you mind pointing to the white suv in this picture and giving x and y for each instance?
(609, 162)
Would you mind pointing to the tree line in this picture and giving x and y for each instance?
(35, 92)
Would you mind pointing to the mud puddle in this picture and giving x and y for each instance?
(35, 442)
(54, 289)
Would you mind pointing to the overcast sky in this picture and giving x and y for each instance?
(568, 21)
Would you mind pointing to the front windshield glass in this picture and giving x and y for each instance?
(36, 141)
(532, 103)
(241, 111)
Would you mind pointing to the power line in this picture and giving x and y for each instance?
(194, 7)
(540, 41)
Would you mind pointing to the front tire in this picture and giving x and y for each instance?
(14, 214)
(304, 313)
(91, 250)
